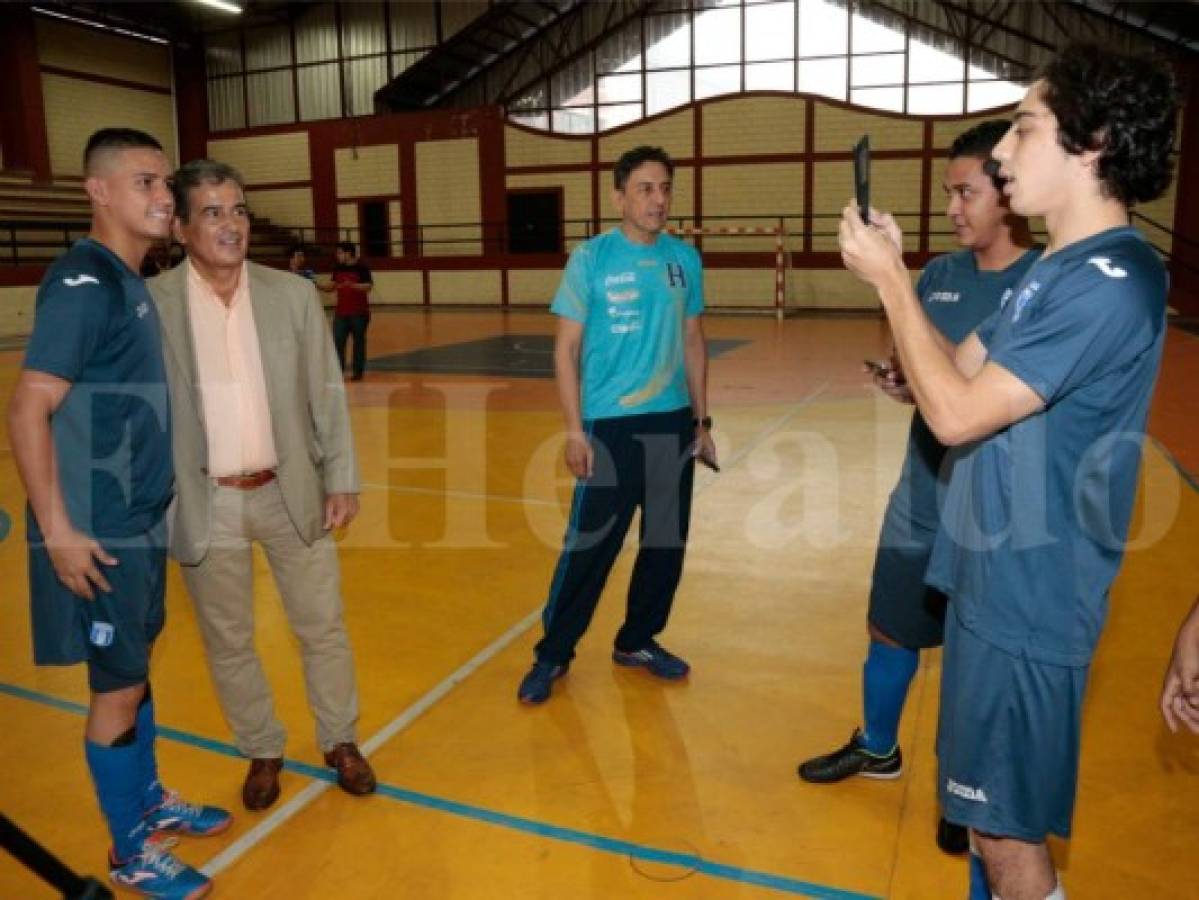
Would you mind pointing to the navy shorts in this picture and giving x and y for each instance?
(112, 633)
(902, 606)
(1007, 739)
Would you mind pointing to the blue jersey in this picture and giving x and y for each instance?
(1036, 515)
(96, 327)
(957, 296)
(632, 300)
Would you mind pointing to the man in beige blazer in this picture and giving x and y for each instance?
(263, 452)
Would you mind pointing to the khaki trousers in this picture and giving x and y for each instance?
(309, 581)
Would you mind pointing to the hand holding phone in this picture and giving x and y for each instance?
(878, 367)
(861, 176)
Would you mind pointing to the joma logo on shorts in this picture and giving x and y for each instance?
(965, 791)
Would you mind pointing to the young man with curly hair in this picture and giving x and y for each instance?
(1045, 405)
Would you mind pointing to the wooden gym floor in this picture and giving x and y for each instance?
(619, 787)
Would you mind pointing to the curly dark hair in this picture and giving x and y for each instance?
(1124, 106)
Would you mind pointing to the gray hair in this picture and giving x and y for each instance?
(197, 172)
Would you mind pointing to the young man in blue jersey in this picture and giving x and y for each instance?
(631, 365)
(90, 431)
(957, 291)
(1045, 405)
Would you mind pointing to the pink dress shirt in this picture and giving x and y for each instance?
(237, 415)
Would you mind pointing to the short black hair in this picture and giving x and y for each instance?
(116, 139)
(197, 172)
(1124, 106)
(978, 142)
(638, 156)
(348, 247)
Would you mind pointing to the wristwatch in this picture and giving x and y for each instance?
(705, 423)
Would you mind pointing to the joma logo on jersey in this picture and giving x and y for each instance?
(1104, 265)
(975, 794)
(1025, 296)
(944, 297)
(674, 274)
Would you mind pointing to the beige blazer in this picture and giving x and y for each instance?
(309, 416)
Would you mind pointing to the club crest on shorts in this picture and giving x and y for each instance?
(102, 634)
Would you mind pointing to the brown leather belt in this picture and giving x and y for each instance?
(247, 482)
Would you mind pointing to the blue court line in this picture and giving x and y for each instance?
(503, 820)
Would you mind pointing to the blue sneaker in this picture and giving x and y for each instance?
(654, 658)
(180, 817)
(536, 686)
(154, 872)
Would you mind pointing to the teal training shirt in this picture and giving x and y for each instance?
(632, 300)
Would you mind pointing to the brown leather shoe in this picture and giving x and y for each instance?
(354, 774)
(261, 787)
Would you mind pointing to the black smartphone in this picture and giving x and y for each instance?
(861, 176)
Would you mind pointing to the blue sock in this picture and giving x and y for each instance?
(885, 679)
(147, 733)
(117, 777)
(979, 889)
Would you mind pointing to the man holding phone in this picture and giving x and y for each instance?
(1046, 405)
(631, 364)
(957, 290)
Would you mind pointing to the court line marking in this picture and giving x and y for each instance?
(265, 828)
(323, 779)
(1173, 460)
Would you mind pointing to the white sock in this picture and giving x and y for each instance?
(1059, 893)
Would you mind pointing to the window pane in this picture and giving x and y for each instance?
(666, 90)
(716, 81)
(316, 35)
(667, 41)
(363, 78)
(270, 98)
(401, 61)
(532, 119)
(267, 48)
(825, 77)
(572, 86)
(823, 28)
(989, 94)
(619, 88)
(574, 121)
(362, 29)
(869, 70)
(621, 51)
(620, 114)
(320, 92)
(770, 76)
(927, 63)
(412, 25)
(226, 103)
(871, 37)
(770, 31)
(717, 36)
(222, 52)
(931, 99)
(878, 98)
